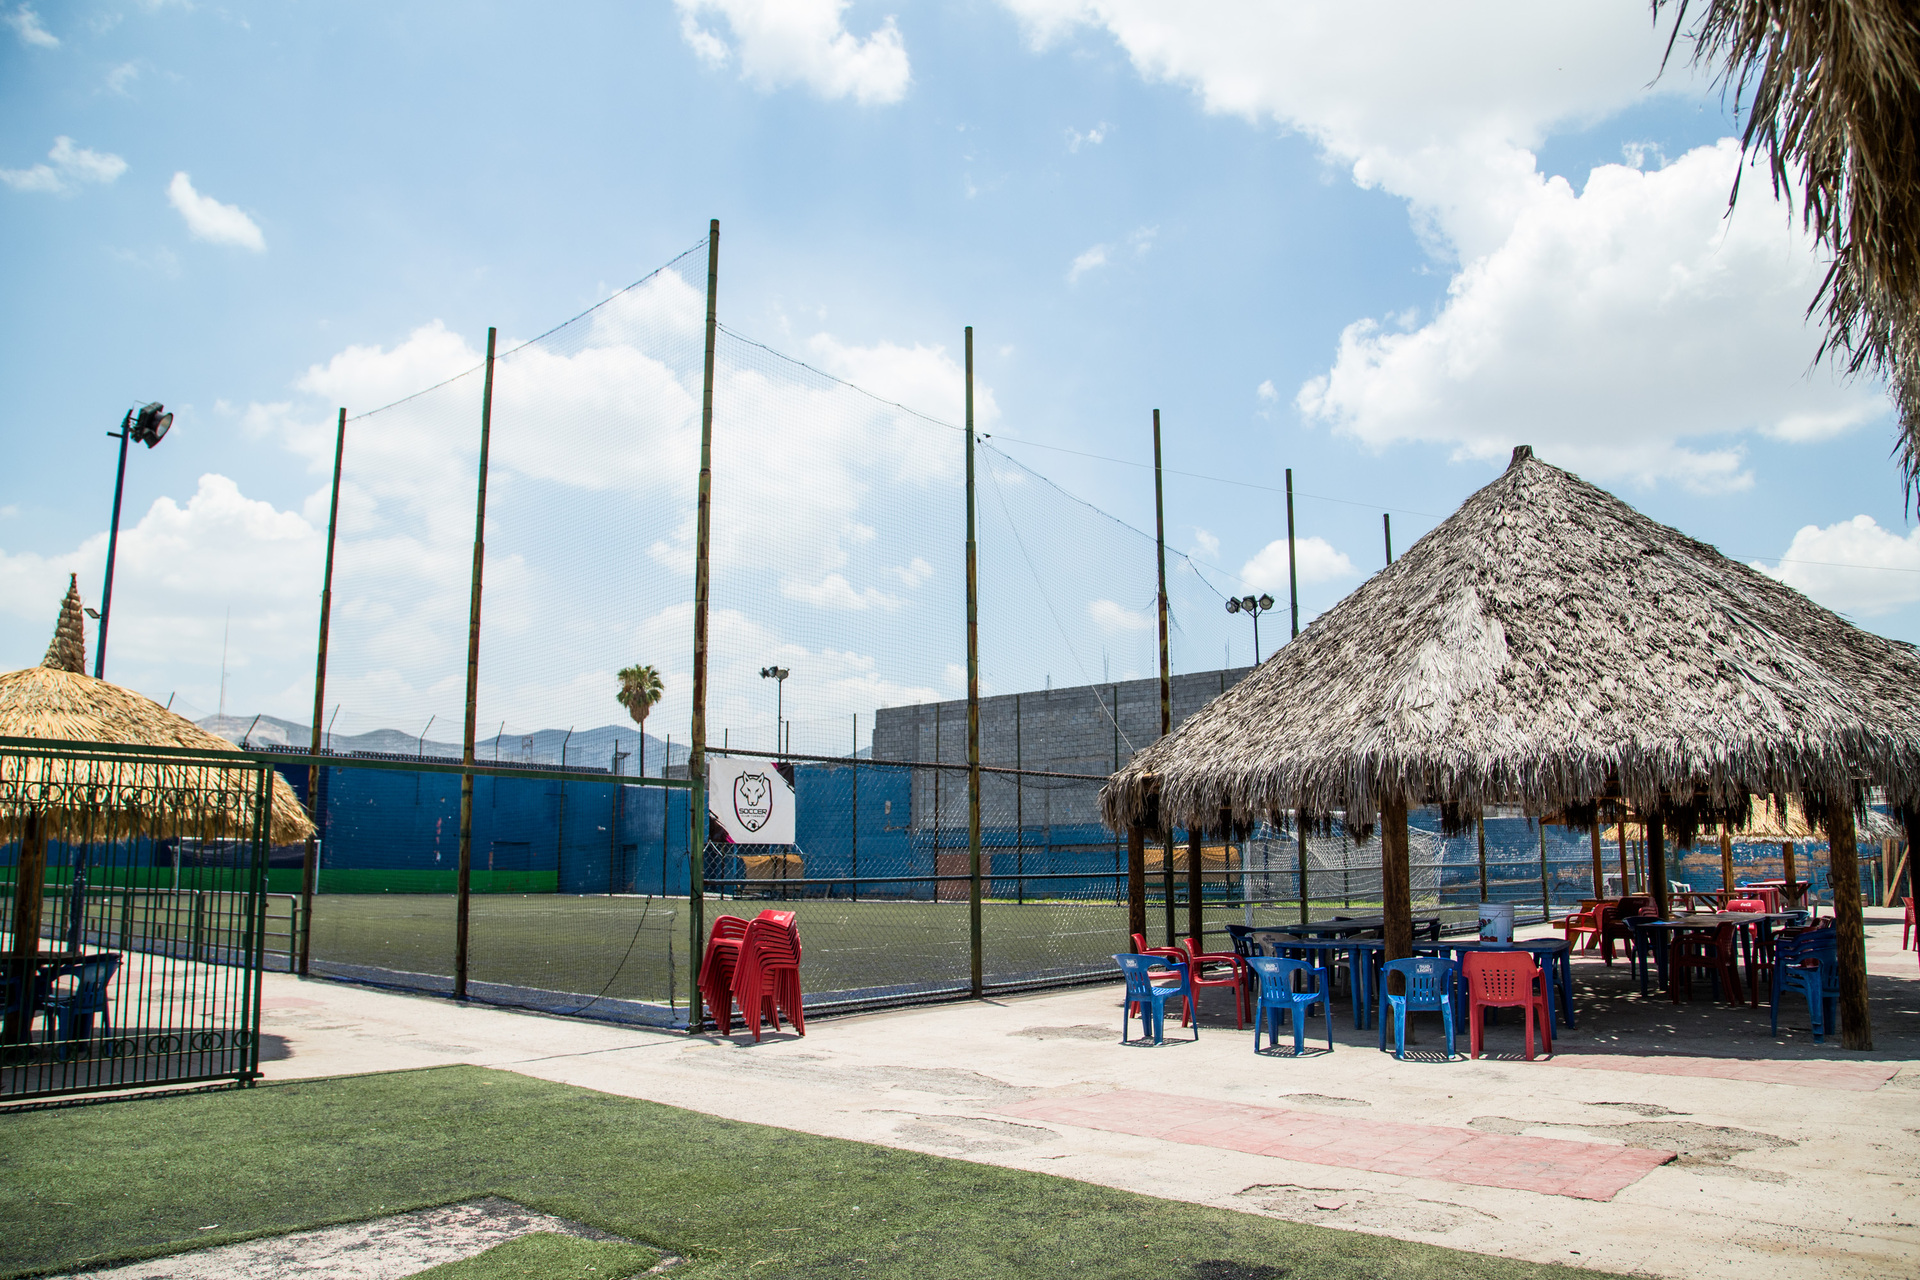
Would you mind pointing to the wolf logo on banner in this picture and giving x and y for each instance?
(751, 801)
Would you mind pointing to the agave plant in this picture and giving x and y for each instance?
(640, 690)
(1833, 101)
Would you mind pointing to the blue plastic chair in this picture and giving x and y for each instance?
(1277, 996)
(70, 1016)
(1430, 983)
(1151, 997)
(1820, 984)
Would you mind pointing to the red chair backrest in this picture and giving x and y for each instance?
(728, 927)
(1500, 977)
(782, 918)
(770, 945)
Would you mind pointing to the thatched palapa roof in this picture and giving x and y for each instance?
(1768, 824)
(1545, 646)
(57, 701)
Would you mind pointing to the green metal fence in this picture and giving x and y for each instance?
(106, 985)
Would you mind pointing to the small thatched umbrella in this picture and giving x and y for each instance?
(1551, 647)
(57, 701)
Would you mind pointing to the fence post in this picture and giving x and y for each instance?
(309, 864)
(973, 701)
(464, 902)
(1546, 898)
(697, 754)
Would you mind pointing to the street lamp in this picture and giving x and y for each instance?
(1253, 608)
(149, 425)
(779, 677)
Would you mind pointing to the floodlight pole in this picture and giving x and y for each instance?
(125, 433)
(310, 865)
(697, 752)
(973, 701)
(1293, 590)
(463, 906)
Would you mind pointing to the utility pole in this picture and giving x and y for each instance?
(310, 865)
(1293, 589)
(697, 754)
(463, 907)
(973, 699)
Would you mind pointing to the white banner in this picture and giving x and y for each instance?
(750, 800)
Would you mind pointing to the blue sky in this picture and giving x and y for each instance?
(1379, 244)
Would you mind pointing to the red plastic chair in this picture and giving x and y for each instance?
(769, 970)
(1909, 925)
(1756, 905)
(1614, 927)
(1717, 955)
(1205, 968)
(1505, 980)
(1140, 948)
(717, 967)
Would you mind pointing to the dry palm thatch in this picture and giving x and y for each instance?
(58, 701)
(1546, 645)
(1771, 824)
(1835, 104)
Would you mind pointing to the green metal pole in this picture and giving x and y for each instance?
(973, 699)
(462, 907)
(309, 866)
(697, 753)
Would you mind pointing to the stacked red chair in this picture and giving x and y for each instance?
(766, 977)
(717, 968)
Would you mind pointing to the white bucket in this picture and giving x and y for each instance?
(1496, 923)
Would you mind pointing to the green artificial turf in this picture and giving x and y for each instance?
(545, 1256)
(141, 1177)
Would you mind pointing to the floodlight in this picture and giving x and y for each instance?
(1266, 602)
(151, 425)
(1233, 604)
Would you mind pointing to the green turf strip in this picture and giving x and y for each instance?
(135, 1178)
(545, 1256)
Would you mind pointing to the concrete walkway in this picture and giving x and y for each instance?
(1666, 1139)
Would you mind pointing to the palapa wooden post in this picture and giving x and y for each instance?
(1300, 830)
(1786, 858)
(29, 896)
(1396, 881)
(1136, 882)
(1657, 863)
(1726, 863)
(1626, 874)
(1599, 879)
(1480, 828)
(1843, 874)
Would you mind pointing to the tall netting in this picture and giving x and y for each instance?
(836, 654)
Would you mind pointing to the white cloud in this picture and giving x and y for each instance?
(71, 167)
(1439, 104)
(835, 592)
(1853, 567)
(1109, 616)
(915, 573)
(1091, 138)
(785, 42)
(1205, 544)
(207, 219)
(178, 569)
(120, 79)
(1142, 240)
(1315, 559)
(1267, 392)
(1610, 329)
(1088, 261)
(26, 25)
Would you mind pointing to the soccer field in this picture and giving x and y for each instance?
(636, 948)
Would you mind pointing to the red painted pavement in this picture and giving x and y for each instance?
(1811, 1073)
(1554, 1166)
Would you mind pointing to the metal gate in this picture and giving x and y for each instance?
(132, 908)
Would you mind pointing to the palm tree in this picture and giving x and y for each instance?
(1835, 104)
(640, 689)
